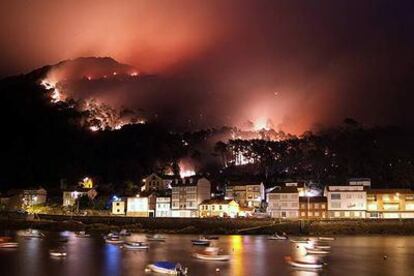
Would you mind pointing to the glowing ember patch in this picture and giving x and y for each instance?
(186, 169)
(94, 128)
(261, 123)
(134, 74)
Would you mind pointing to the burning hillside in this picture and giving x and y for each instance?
(63, 79)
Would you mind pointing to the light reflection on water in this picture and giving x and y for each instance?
(251, 255)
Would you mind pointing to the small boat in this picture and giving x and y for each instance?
(156, 238)
(311, 251)
(277, 237)
(82, 234)
(124, 233)
(112, 235)
(211, 254)
(9, 245)
(326, 238)
(317, 246)
(201, 241)
(167, 268)
(32, 234)
(212, 237)
(114, 240)
(57, 253)
(136, 245)
(304, 265)
(299, 240)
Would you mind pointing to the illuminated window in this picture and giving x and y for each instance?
(347, 214)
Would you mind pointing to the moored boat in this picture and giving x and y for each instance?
(312, 251)
(57, 253)
(9, 245)
(135, 245)
(114, 240)
(156, 237)
(167, 268)
(32, 234)
(303, 265)
(326, 238)
(277, 237)
(211, 254)
(318, 246)
(201, 241)
(299, 240)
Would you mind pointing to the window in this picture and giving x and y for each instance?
(213, 207)
(118, 211)
(284, 196)
(323, 206)
(303, 206)
(336, 204)
(283, 214)
(303, 214)
(336, 214)
(316, 205)
(347, 214)
(220, 207)
(310, 214)
(348, 196)
(316, 214)
(335, 196)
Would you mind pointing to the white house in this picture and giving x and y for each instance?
(283, 203)
(346, 201)
(163, 207)
(187, 194)
(138, 207)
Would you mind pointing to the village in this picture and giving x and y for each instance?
(162, 196)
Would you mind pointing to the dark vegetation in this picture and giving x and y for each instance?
(44, 142)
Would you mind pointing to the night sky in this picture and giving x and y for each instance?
(300, 64)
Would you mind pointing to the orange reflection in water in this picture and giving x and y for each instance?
(237, 249)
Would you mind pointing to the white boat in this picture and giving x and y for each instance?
(299, 240)
(167, 268)
(32, 234)
(326, 238)
(312, 245)
(82, 234)
(114, 240)
(135, 245)
(277, 237)
(312, 251)
(156, 237)
(211, 254)
(304, 265)
(201, 241)
(57, 253)
(9, 245)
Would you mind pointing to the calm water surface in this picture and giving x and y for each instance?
(251, 255)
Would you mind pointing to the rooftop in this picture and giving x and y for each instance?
(216, 201)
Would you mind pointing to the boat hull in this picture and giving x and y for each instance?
(206, 257)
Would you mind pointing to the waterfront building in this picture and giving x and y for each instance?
(119, 207)
(219, 208)
(154, 182)
(138, 207)
(346, 201)
(390, 203)
(283, 203)
(187, 194)
(315, 207)
(163, 206)
(246, 193)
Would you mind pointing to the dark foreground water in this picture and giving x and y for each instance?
(251, 255)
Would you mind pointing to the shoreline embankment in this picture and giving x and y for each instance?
(222, 226)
